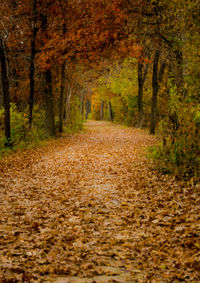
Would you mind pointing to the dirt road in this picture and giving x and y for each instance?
(91, 208)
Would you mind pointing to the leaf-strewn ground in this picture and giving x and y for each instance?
(90, 208)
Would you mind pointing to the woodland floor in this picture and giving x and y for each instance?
(92, 208)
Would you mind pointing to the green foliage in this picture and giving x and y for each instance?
(90, 116)
(38, 125)
(180, 150)
(19, 124)
(119, 87)
(21, 136)
(75, 120)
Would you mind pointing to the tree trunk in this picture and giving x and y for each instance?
(110, 111)
(82, 103)
(6, 94)
(155, 93)
(67, 107)
(62, 94)
(142, 74)
(140, 95)
(62, 90)
(156, 80)
(32, 64)
(49, 106)
(102, 110)
(1, 93)
(87, 108)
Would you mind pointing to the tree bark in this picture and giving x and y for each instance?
(110, 111)
(102, 110)
(140, 95)
(142, 74)
(156, 80)
(6, 94)
(62, 90)
(155, 93)
(67, 106)
(87, 108)
(32, 64)
(1, 93)
(49, 106)
(62, 94)
(82, 103)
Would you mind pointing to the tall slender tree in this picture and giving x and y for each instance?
(32, 61)
(6, 92)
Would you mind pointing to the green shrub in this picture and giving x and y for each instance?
(21, 136)
(75, 120)
(38, 124)
(179, 151)
(89, 116)
(19, 125)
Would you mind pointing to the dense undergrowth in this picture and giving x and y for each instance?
(24, 138)
(179, 151)
(21, 135)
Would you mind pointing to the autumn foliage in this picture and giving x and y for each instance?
(112, 203)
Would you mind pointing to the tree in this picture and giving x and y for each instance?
(62, 96)
(49, 105)
(142, 73)
(6, 94)
(156, 80)
(102, 110)
(32, 61)
(110, 111)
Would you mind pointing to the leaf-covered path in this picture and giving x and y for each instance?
(90, 208)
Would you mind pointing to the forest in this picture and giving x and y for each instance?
(130, 62)
(99, 141)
